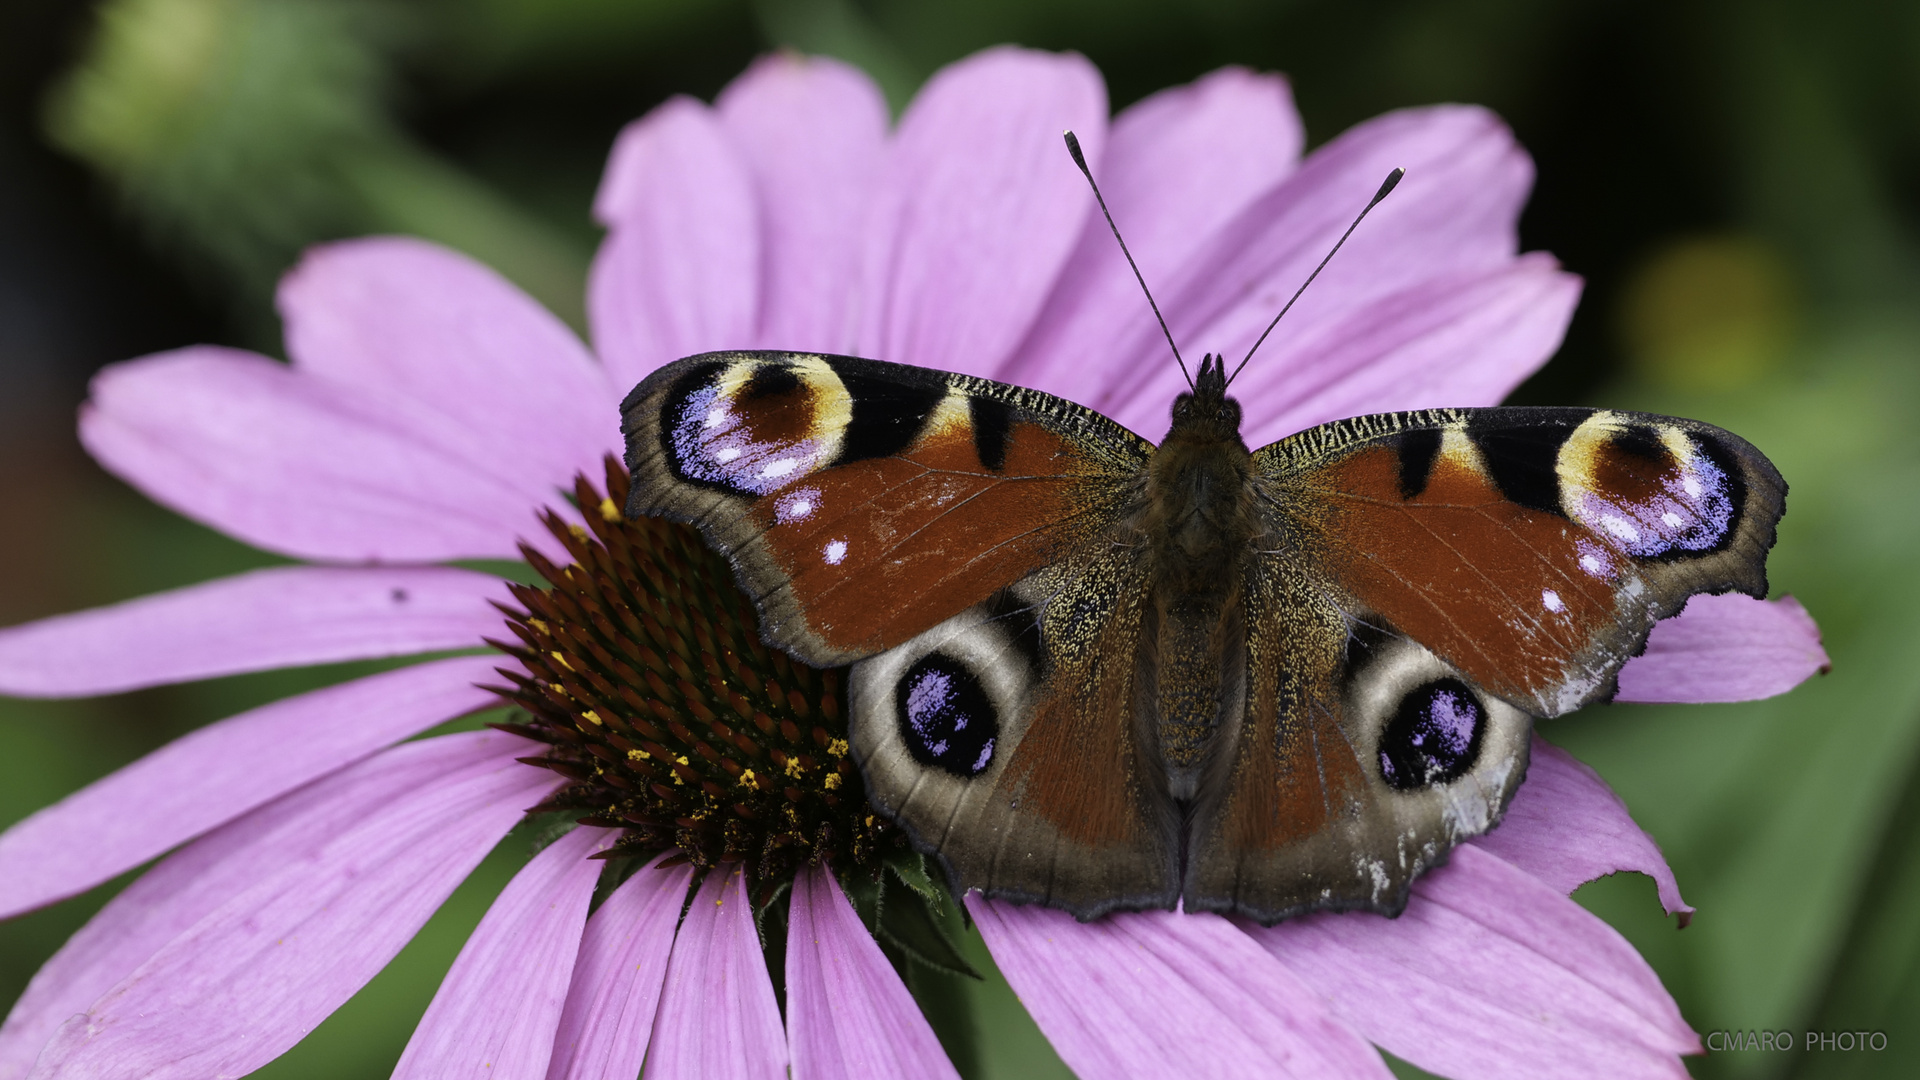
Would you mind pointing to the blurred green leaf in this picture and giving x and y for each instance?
(241, 131)
(1772, 812)
(1875, 986)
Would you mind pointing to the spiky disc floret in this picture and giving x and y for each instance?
(642, 668)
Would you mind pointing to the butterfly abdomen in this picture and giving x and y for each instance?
(1199, 520)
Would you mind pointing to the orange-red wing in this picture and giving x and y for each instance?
(862, 502)
(1531, 548)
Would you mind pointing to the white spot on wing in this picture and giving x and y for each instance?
(1621, 528)
(835, 552)
(1552, 600)
(797, 505)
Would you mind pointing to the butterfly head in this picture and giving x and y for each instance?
(1206, 411)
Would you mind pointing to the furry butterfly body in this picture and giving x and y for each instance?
(1101, 675)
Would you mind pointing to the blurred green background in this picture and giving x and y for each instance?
(1738, 182)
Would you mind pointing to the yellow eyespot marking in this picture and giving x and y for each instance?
(831, 403)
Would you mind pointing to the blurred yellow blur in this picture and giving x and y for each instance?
(1709, 313)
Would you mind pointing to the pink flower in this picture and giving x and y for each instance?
(432, 413)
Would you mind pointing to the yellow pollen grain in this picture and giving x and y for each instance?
(538, 624)
(638, 755)
(579, 533)
(747, 778)
(608, 511)
(832, 781)
(793, 768)
(592, 716)
(838, 748)
(564, 662)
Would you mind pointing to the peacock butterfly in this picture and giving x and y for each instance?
(1100, 675)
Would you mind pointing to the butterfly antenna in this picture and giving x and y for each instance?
(1073, 147)
(1393, 178)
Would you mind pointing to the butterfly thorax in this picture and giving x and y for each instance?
(1198, 524)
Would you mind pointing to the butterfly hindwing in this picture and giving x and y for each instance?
(1008, 742)
(860, 502)
(1361, 760)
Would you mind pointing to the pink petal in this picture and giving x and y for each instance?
(477, 367)
(496, 1012)
(206, 778)
(294, 464)
(1454, 214)
(608, 1019)
(1161, 993)
(258, 973)
(1567, 827)
(717, 1014)
(1490, 973)
(1461, 341)
(679, 271)
(288, 616)
(813, 134)
(194, 881)
(980, 208)
(1726, 648)
(848, 1014)
(1178, 166)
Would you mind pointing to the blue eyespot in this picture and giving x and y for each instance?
(946, 718)
(1434, 737)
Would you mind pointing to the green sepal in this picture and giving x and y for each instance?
(865, 892)
(911, 868)
(543, 829)
(768, 906)
(910, 921)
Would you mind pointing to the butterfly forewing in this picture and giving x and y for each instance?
(1531, 548)
(862, 503)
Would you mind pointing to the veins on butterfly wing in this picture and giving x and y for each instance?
(1573, 583)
